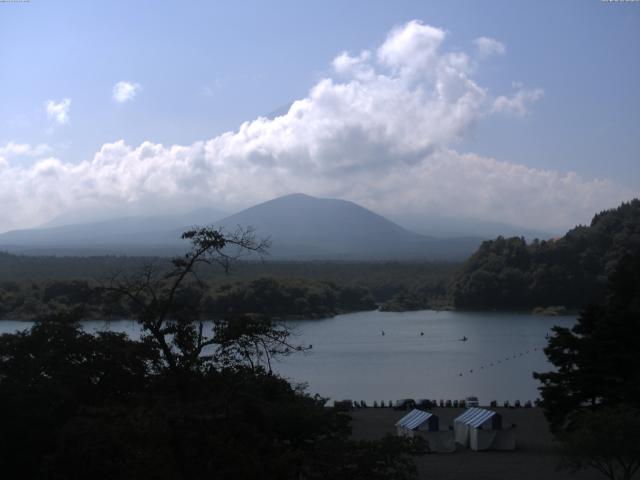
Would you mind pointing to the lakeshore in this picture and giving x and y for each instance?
(536, 456)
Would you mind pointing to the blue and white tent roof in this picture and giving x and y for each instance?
(414, 419)
(475, 416)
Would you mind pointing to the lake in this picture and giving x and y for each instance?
(351, 358)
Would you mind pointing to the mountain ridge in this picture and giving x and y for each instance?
(300, 226)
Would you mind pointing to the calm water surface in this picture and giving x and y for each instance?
(351, 358)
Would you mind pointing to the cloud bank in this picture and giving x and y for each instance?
(380, 130)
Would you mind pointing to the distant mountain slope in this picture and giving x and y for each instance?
(570, 271)
(118, 235)
(449, 227)
(301, 226)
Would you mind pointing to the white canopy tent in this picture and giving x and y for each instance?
(481, 429)
(418, 423)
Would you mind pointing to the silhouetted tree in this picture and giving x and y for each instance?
(596, 387)
(167, 305)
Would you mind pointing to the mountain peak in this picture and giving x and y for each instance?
(302, 226)
(295, 196)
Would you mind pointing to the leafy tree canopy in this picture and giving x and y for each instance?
(569, 271)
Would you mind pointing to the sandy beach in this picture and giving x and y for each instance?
(535, 457)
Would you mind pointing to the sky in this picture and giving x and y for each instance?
(525, 113)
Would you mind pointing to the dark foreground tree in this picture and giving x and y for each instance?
(49, 374)
(607, 440)
(181, 403)
(595, 390)
(168, 305)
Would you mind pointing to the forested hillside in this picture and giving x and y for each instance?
(571, 271)
(32, 286)
(275, 298)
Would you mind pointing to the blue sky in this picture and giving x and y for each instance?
(199, 69)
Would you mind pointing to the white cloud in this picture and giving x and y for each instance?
(13, 149)
(58, 111)
(411, 48)
(125, 91)
(382, 134)
(358, 66)
(518, 103)
(487, 47)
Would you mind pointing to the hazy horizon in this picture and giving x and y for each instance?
(434, 226)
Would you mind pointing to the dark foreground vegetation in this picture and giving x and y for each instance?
(592, 400)
(180, 403)
(508, 273)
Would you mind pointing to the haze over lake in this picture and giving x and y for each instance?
(351, 358)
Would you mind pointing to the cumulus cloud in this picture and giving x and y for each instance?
(124, 91)
(380, 130)
(517, 103)
(58, 112)
(412, 48)
(486, 47)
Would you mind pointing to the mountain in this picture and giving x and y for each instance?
(301, 226)
(132, 235)
(279, 112)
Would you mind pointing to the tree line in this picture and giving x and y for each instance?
(509, 273)
(274, 297)
(279, 289)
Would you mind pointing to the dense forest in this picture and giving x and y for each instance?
(509, 273)
(276, 298)
(34, 286)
